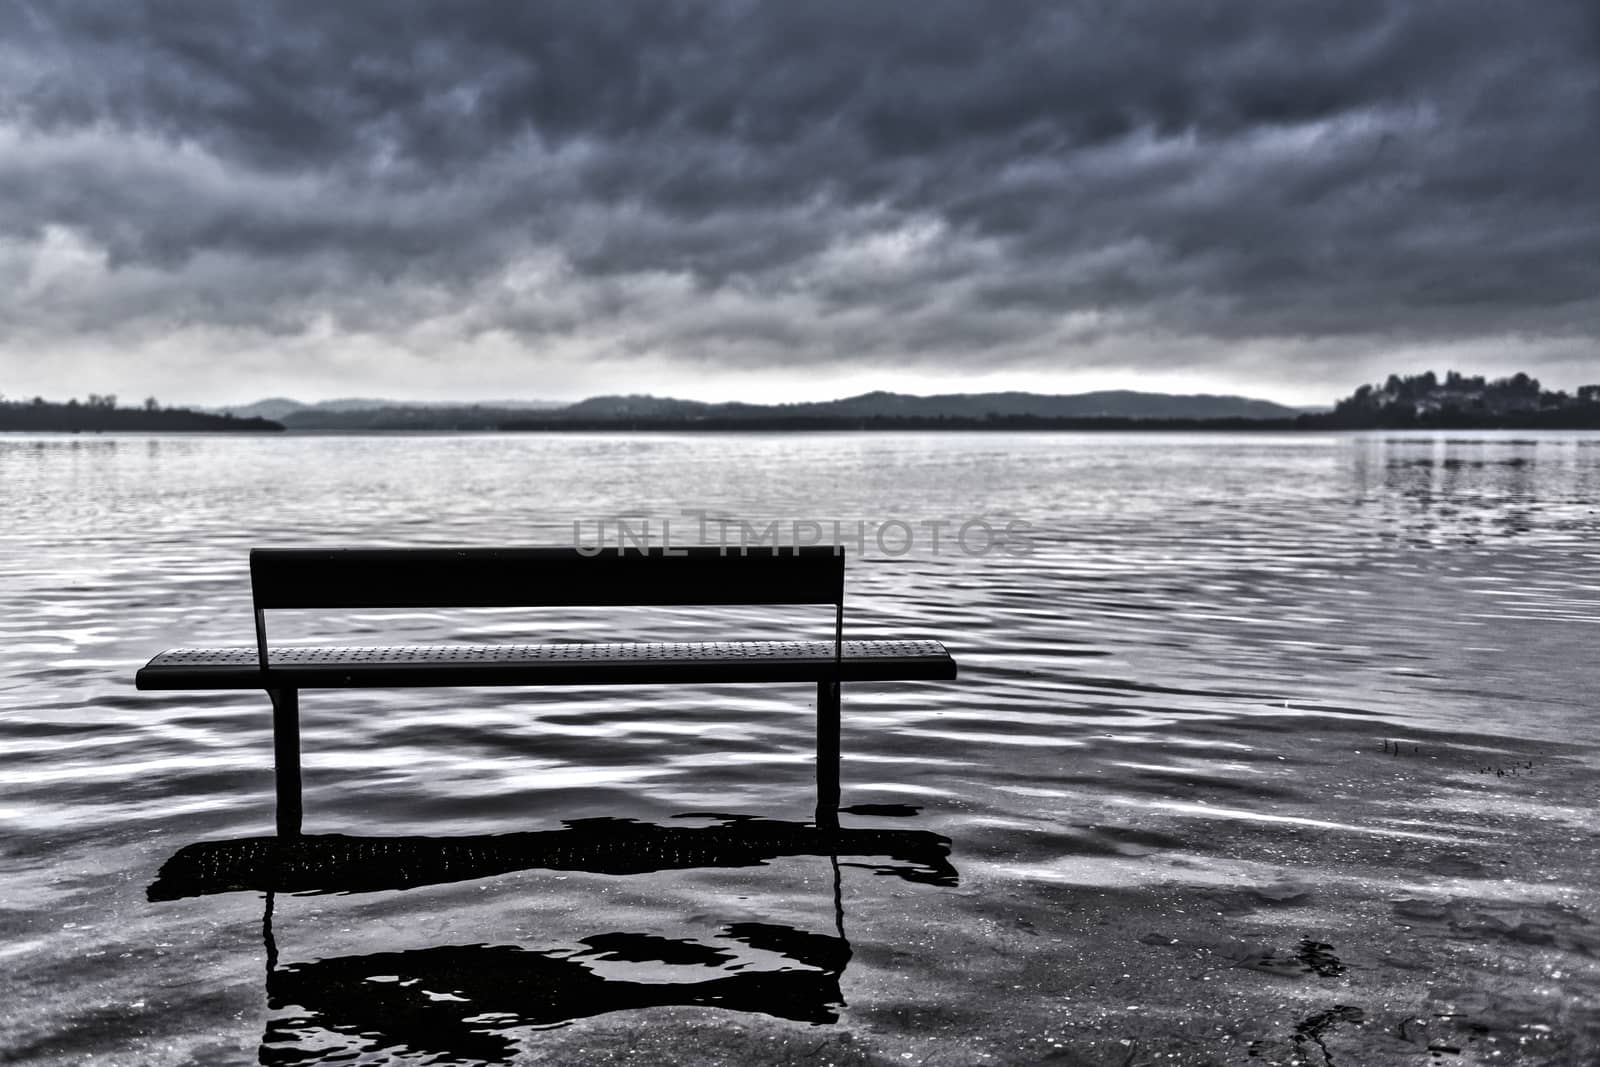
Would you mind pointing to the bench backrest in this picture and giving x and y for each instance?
(555, 577)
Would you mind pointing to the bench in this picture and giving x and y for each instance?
(357, 578)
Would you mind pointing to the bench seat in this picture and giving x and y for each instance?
(569, 663)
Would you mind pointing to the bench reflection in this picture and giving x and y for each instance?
(460, 1001)
(340, 863)
(463, 1003)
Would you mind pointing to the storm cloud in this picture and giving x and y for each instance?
(559, 199)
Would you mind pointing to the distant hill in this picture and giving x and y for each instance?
(1114, 404)
(356, 414)
(275, 408)
(279, 407)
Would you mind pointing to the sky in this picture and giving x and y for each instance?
(213, 203)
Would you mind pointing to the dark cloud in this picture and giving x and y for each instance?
(961, 185)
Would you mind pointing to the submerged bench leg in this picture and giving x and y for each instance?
(286, 758)
(828, 755)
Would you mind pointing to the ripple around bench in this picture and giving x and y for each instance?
(337, 863)
(569, 663)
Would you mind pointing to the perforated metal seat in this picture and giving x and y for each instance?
(335, 667)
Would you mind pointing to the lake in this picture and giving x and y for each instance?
(1271, 748)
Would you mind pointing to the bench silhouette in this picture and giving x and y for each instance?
(357, 578)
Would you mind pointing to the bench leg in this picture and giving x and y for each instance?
(828, 755)
(286, 758)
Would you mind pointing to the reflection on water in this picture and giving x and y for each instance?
(457, 1002)
(1250, 702)
(337, 863)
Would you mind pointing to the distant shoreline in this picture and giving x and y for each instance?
(19, 418)
(1023, 423)
(1129, 426)
(1419, 402)
(74, 418)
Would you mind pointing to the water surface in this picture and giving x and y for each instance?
(1265, 748)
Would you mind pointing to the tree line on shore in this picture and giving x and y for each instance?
(100, 414)
(1456, 401)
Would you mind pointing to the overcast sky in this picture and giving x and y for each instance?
(215, 203)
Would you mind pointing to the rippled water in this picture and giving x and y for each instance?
(1264, 749)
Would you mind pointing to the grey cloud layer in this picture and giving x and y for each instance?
(786, 183)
